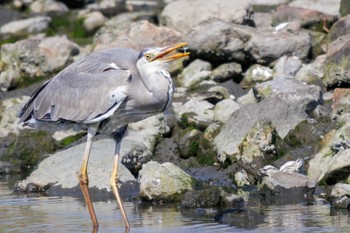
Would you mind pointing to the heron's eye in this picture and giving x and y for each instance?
(148, 56)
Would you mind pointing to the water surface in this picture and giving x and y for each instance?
(23, 213)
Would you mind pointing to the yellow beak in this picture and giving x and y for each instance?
(168, 49)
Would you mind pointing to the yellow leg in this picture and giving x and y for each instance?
(114, 185)
(83, 176)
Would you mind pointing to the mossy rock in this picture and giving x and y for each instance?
(28, 148)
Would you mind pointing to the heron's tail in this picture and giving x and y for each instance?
(27, 110)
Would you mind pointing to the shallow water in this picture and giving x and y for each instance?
(22, 213)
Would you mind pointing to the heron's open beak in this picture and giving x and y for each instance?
(168, 49)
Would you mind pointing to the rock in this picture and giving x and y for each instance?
(239, 42)
(56, 175)
(9, 119)
(337, 62)
(114, 25)
(163, 182)
(137, 5)
(25, 26)
(192, 75)
(267, 46)
(344, 8)
(290, 89)
(287, 67)
(213, 175)
(312, 73)
(74, 3)
(196, 112)
(249, 98)
(340, 196)
(183, 15)
(241, 178)
(263, 19)
(139, 142)
(8, 168)
(93, 20)
(8, 15)
(130, 37)
(330, 7)
(285, 110)
(224, 109)
(256, 74)
(306, 17)
(340, 28)
(35, 57)
(25, 150)
(257, 147)
(341, 98)
(111, 7)
(188, 142)
(48, 6)
(227, 71)
(167, 150)
(209, 197)
(207, 41)
(330, 164)
(281, 187)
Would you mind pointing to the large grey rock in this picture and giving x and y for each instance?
(183, 15)
(331, 7)
(129, 36)
(8, 117)
(114, 25)
(306, 17)
(340, 28)
(93, 20)
(256, 74)
(33, 58)
(227, 71)
(267, 46)
(287, 66)
(284, 187)
(140, 140)
(287, 106)
(313, 72)
(48, 6)
(198, 112)
(215, 40)
(340, 195)
(257, 147)
(110, 7)
(8, 15)
(193, 74)
(224, 109)
(337, 62)
(328, 166)
(57, 173)
(25, 26)
(163, 182)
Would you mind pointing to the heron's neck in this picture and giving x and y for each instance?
(159, 82)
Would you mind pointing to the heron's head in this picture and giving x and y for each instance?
(160, 56)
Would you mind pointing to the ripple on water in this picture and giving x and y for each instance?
(20, 213)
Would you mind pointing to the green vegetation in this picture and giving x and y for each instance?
(70, 139)
(71, 26)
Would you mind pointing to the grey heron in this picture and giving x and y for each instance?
(104, 92)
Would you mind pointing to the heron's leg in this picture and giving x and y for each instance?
(114, 177)
(83, 176)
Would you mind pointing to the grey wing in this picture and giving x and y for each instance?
(80, 97)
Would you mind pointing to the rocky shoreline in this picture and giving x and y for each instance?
(261, 107)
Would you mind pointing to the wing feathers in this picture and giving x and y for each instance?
(81, 97)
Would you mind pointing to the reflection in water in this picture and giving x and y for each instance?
(20, 213)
